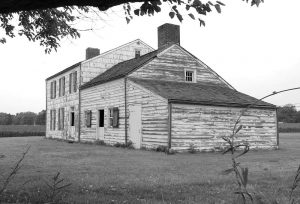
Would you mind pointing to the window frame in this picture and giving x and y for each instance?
(193, 77)
(113, 117)
(137, 53)
(88, 118)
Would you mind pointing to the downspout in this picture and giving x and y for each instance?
(169, 124)
(79, 104)
(125, 99)
(277, 128)
(46, 109)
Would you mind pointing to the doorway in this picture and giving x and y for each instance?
(100, 125)
(135, 125)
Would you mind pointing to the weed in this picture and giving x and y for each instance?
(99, 142)
(192, 149)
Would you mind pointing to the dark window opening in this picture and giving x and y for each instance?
(101, 118)
(137, 53)
(72, 118)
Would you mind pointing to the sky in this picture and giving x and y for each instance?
(256, 50)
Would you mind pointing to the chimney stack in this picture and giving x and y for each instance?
(91, 52)
(168, 34)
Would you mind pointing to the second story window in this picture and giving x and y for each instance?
(73, 82)
(189, 75)
(137, 53)
(53, 89)
(61, 90)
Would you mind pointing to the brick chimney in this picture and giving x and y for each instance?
(168, 34)
(91, 52)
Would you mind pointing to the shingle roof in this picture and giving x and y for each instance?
(122, 69)
(63, 71)
(197, 93)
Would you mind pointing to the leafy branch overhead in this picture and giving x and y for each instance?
(47, 22)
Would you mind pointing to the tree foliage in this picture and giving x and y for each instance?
(50, 21)
(23, 118)
(288, 114)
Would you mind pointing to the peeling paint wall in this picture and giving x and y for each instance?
(204, 127)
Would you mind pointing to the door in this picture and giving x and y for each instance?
(72, 124)
(135, 125)
(100, 125)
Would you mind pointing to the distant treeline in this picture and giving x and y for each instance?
(288, 114)
(23, 118)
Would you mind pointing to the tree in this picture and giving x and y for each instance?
(287, 114)
(24, 118)
(48, 21)
(6, 119)
(41, 118)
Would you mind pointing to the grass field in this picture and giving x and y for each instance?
(101, 174)
(22, 130)
(289, 127)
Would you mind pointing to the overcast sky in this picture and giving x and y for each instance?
(255, 49)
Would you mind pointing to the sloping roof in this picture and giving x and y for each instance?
(196, 93)
(65, 70)
(101, 54)
(123, 68)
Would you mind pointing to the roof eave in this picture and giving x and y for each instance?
(212, 103)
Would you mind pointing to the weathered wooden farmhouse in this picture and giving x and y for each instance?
(153, 97)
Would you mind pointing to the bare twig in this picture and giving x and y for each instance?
(14, 171)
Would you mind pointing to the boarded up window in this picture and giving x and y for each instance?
(54, 89)
(61, 118)
(70, 82)
(88, 118)
(62, 86)
(52, 119)
(75, 81)
(114, 117)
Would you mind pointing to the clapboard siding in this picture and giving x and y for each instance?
(204, 127)
(67, 101)
(154, 115)
(104, 96)
(92, 68)
(170, 66)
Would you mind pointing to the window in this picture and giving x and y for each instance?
(137, 53)
(61, 90)
(52, 119)
(190, 75)
(53, 89)
(88, 118)
(61, 119)
(114, 117)
(73, 82)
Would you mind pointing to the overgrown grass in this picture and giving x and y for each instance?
(22, 130)
(101, 174)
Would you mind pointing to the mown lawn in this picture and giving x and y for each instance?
(101, 174)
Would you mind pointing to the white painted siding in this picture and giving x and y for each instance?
(204, 127)
(104, 96)
(154, 115)
(170, 66)
(67, 101)
(97, 65)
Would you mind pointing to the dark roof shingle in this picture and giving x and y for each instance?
(123, 68)
(197, 93)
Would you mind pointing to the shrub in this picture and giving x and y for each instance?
(192, 149)
(99, 142)
(117, 144)
(161, 148)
